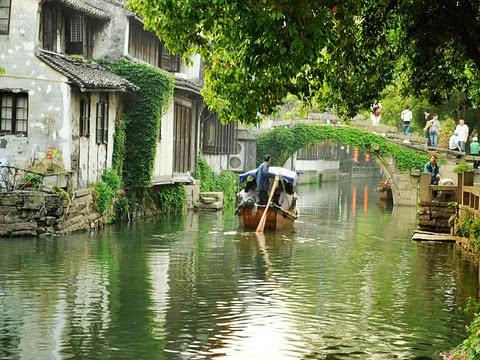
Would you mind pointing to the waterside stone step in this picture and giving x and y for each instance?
(419, 235)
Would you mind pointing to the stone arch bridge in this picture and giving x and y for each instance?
(402, 163)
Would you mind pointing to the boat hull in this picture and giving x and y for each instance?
(277, 218)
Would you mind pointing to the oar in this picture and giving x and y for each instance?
(263, 219)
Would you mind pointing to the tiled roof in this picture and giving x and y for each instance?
(187, 85)
(83, 7)
(85, 74)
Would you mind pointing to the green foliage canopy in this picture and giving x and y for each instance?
(340, 54)
(282, 142)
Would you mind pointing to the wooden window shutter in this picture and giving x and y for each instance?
(105, 123)
(98, 132)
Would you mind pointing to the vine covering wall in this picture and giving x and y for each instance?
(142, 119)
(282, 142)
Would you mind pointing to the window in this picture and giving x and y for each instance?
(102, 121)
(169, 61)
(74, 34)
(182, 139)
(13, 113)
(323, 151)
(85, 116)
(143, 45)
(4, 16)
(146, 46)
(74, 30)
(49, 28)
(217, 138)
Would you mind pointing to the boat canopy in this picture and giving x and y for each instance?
(285, 174)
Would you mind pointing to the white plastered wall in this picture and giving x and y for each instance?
(48, 93)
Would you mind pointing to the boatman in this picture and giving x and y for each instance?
(263, 182)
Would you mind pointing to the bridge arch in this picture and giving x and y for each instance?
(402, 165)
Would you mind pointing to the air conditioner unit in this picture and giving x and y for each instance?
(236, 162)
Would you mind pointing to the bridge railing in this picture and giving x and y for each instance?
(441, 193)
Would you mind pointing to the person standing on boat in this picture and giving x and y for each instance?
(263, 182)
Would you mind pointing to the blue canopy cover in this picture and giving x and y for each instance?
(285, 174)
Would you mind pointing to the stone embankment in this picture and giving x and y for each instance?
(36, 213)
(435, 216)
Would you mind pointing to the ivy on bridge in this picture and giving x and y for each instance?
(282, 142)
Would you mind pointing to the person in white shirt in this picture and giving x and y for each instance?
(406, 119)
(248, 194)
(376, 114)
(434, 131)
(453, 143)
(288, 198)
(462, 130)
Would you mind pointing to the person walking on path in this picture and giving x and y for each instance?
(475, 151)
(433, 169)
(426, 129)
(376, 114)
(263, 182)
(434, 131)
(462, 130)
(406, 119)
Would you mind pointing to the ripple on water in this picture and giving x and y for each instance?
(347, 283)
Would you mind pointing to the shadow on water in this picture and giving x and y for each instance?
(346, 283)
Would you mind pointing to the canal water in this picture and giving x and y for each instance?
(346, 283)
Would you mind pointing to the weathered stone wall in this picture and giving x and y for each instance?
(434, 216)
(35, 213)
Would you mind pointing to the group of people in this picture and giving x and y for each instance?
(459, 137)
(432, 129)
(284, 195)
(457, 141)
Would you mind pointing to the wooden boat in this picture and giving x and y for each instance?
(277, 218)
(250, 214)
(385, 190)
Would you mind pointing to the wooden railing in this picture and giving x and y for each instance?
(429, 193)
(471, 197)
(14, 178)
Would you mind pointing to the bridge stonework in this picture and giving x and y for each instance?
(284, 140)
(405, 184)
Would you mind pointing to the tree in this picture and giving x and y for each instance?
(340, 54)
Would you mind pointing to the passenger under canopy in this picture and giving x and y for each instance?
(285, 174)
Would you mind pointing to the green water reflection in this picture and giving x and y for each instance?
(346, 283)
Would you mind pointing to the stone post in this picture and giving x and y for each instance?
(425, 193)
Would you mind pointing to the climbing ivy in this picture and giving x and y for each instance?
(169, 198)
(470, 347)
(469, 227)
(142, 118)
(226, 182)
(105, 191)
(119, 146)
(282, 142)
